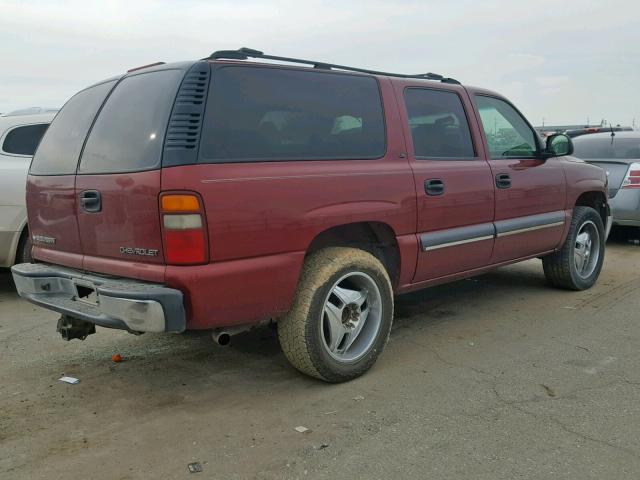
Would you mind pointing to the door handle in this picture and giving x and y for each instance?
(503, 180)
(91, 201)
(434, 186)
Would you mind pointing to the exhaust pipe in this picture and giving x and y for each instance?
(222, 336)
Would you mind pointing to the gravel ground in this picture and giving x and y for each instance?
(497, 377)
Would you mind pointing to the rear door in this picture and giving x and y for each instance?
(454, 187)
(51, 199)
(530, 192)
(118, 180)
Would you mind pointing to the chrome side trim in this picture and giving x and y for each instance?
(457, 236)
(452, 237)
(529, 229)
(459, 242)
(529, 221)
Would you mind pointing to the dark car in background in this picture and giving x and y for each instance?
(618, 153)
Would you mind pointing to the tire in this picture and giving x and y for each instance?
(562, 268)
(23, 253)
(334, 281)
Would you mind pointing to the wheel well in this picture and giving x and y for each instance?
(24, 237)
(377, 238)
(595, 200)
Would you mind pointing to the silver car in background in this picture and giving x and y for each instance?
(619, 154)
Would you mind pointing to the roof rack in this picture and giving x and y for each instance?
(245, 53)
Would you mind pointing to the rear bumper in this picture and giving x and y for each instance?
(117, 303)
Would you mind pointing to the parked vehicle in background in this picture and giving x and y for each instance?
(20, 133)
(221, 193)
(573, 133)
(578, 130)
(619, 156)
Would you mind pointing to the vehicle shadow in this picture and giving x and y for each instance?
(159, 365)
(7, 287)
(624, 236)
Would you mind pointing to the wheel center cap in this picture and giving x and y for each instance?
(350, 315)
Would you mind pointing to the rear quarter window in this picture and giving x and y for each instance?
(60, 147)
(129, 132)
(24, 140)
(277, 114)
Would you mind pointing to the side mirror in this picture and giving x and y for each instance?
(558, 145)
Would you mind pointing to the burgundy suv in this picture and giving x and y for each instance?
(223, 193)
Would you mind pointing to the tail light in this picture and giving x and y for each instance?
(183, 229)
(632, 180)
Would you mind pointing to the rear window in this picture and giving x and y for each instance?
(129, 131)
(60, 147)
(621, 148)
(24, 140)
(275, 114)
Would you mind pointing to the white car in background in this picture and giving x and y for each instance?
(20, 134)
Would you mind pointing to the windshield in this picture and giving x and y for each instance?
(616, 148)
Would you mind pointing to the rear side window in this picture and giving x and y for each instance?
(439, 126)
(24, 140)
(605, 148)
(129, 131)
(60, 147)
(272, 114)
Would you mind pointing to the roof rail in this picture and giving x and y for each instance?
(245, 53)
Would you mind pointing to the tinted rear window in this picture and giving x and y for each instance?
(24, 140)
(271, 114)
(60, 147)
(129, 131)
(622, 148)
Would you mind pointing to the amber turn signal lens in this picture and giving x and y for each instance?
(180, 203)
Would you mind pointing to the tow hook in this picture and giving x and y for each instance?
(70, 328)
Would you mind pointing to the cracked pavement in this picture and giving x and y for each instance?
(496, 377)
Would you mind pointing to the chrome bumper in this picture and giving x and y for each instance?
(108, 302)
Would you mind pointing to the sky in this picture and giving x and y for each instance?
(561, 62)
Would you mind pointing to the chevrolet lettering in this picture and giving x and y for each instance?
(146, 252)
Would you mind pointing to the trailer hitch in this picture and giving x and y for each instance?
(70, 328)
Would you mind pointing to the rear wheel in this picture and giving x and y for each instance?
(577, 265)
(341, 316)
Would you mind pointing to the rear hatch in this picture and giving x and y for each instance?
(93, 198)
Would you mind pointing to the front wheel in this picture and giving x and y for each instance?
(341, 317)
(577, 265)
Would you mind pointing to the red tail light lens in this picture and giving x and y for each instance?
(632, 180)
(183, 227)
(185, 247)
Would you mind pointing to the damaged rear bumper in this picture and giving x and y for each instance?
(109, 302)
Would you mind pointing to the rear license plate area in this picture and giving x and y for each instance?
(86, 292)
